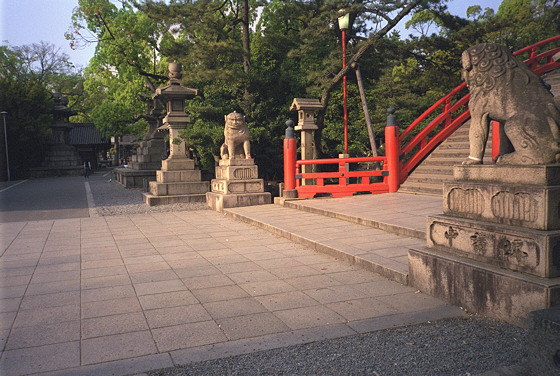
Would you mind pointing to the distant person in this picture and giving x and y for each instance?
(87, 169)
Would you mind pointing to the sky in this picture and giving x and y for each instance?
(23, 22)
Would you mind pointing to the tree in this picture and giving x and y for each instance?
(27, 98)
(127, 66)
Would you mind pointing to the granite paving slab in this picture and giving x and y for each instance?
(218, 282)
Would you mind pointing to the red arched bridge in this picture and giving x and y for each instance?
(405, 151)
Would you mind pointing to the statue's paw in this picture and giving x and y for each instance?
(472, 161)
(225, 156)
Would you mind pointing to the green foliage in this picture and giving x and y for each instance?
(295, 51)
(29, 105)
(127, 66)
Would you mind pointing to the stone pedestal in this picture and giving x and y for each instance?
(143, 165)
(59, 160)
(237, 184)
(496, 248)
(177, 181)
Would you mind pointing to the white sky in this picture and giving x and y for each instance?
(30, 21)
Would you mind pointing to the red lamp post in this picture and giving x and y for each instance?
(344, 24)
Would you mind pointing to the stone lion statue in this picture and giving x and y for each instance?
(506, 90)
(237, 143)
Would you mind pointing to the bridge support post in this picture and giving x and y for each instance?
(290, 157)
(392, 151)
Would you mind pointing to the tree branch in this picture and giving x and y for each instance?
(363, 47)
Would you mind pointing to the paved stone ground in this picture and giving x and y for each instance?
(130, 293)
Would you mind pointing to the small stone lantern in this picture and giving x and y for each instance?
(306, 108)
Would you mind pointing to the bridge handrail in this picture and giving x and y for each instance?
(340, 161)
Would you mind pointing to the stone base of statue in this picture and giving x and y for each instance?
(60, 160)
(496, 248)
(144, 164)
(237, 184)
(176, 182)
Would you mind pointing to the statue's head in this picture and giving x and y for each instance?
(235, 120)
(484, 63)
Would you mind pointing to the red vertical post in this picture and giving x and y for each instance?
(392, 151)
(290, 157)
(495, 140)
(344, 93)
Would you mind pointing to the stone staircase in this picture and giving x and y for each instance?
(437, 168)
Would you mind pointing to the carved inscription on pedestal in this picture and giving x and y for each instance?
(465, 201)
(513, 248)
(479, 243)
(218, 186)
(516, 206)
(244, 173)
(505, 250)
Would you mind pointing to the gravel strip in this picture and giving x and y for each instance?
(467, 346)
(111, 198)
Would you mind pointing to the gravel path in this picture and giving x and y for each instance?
(470, 346)
(448, 347)
(111, 198)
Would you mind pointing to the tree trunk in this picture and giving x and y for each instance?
(246, 45)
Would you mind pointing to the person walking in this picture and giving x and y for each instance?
(87, 169)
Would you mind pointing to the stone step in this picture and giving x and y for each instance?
(435, 189)
(152, 200)
(174, 189)
(322, 234)
(430, 178)
(434, 169)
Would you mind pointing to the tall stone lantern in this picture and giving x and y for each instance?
(174, 94)
(61, 158)
(178, 180)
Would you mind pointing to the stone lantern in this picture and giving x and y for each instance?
(178, 180)
(61, 128)
(174, 94)
(61, 158)
(306, 108)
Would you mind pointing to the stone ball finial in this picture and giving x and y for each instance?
(175, 70)
(391, 110)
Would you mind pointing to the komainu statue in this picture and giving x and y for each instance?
(237, 143)
(506, 90)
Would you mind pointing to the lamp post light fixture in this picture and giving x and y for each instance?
(4, 113)
(343, 25)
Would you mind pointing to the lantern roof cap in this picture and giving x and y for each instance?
(306, 104)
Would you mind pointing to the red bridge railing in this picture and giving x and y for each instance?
(404, 152)
(342, 182)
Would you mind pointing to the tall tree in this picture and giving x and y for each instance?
(127, 66)
(28, 76)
